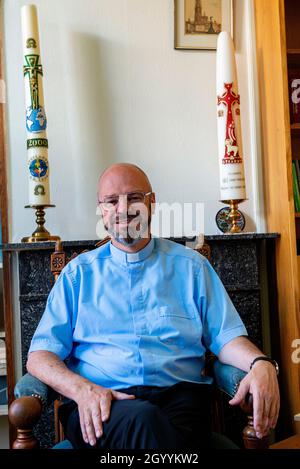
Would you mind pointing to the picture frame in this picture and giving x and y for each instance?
(198, 22)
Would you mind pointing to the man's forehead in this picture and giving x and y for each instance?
(122, 179)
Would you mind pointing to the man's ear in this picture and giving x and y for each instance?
(99, 211)
(153, 202)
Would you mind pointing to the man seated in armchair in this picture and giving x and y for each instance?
(125, 332)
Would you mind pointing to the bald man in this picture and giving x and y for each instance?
(126, 328)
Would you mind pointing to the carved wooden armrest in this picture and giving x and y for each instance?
(249, 435)
(228, 379)
(32, 395)
(23, 414)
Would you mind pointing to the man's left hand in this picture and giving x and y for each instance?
(262, 383)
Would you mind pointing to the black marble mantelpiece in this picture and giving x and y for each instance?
(245, 263)
(51, 244)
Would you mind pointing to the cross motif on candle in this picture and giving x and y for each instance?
(230, 145)
(229, 98)
(33, 69)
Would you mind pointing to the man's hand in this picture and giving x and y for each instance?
(94, 403)
(262, 383)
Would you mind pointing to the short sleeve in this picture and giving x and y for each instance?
(220, 320)
(55, 332)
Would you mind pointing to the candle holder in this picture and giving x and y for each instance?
(40, 234)
(235, 215)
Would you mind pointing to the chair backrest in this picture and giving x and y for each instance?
(59, 260)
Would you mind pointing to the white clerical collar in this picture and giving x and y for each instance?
(124, 257)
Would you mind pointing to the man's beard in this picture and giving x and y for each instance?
(130, 236)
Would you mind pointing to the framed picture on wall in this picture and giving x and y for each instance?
(197, 23)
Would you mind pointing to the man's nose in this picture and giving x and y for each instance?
(122, 204)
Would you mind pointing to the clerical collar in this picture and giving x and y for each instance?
(126, 257)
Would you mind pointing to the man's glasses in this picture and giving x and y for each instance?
(111, 202)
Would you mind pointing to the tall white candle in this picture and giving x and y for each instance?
(232, 177)
(36, 123)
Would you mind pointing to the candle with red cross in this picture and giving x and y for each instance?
(230, 150)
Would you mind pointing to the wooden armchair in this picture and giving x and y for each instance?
(32, 396)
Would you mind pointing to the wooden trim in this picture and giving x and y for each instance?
(3, 169)
(7, 294)
(280, 217)
(8, 321)
(254, 119)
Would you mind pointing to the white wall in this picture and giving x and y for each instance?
(116, 90)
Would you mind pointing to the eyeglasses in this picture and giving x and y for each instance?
(111, 202)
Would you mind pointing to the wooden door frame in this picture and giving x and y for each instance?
(4, 204)
(279, 200)
(3, 163)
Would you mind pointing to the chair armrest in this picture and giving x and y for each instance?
(25, 411)
(227, 377)
(28, 385)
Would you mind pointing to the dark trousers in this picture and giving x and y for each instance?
(175, 417)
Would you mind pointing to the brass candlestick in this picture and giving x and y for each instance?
(40, 234)
(234, 214)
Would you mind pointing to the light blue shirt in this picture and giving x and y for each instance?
(143, 318)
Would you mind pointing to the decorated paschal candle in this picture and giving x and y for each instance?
(36, 122)
(230, 150)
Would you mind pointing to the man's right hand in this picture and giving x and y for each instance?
(94, 403)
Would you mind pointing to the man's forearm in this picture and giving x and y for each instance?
(50, 369)
(239, 352)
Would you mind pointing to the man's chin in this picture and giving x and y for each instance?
(127, 240)
(122, 234)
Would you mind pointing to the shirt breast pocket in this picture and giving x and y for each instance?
(177, 326)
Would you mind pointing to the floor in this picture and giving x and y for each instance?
(290, 443)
